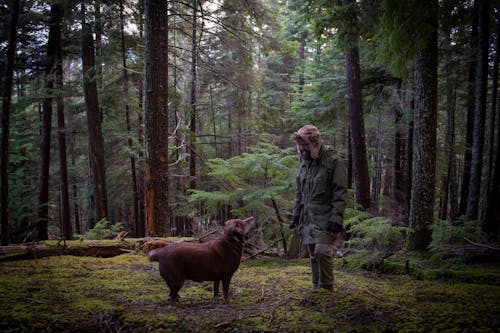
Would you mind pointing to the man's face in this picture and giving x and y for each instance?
(305, 151)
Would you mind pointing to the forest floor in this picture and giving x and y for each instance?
(126, 294)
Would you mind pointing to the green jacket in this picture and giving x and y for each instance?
(320, 196)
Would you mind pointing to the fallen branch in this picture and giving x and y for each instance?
(482, 245)
(262, 251)
(207, 234)
(239, 318)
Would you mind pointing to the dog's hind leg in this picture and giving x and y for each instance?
(174, 287)
(174, 294)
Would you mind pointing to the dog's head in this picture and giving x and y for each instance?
(240, 228)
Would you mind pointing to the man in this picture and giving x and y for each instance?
(320, 200)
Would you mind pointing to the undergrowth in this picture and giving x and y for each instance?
(127, 294)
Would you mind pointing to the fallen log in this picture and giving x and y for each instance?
(473, 251)
(85, 248)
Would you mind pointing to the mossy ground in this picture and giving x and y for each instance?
(127, 294)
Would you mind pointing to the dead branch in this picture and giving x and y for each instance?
(207, 234)
(262, 251)
(482, 245)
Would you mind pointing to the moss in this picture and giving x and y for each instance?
(126, 293)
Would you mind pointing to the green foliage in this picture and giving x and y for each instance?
(402, 29)
(373, 236)
(249, 181)
(446, 234)
(102, 230)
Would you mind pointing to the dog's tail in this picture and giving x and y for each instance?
(153, 254)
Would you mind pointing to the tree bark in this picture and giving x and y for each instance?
(96, 140)
(492, 202)
(469, 130)
(377, 179)
(6, 111)
(141, 223)
(357, 124)
(158, 213)
(46, 127)
(421, 215)
(194, 83)
(479, 112)
(398, 183)
(450, 180)
(67, 230)
(135, 194)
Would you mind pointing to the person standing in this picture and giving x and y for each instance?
(320, 201)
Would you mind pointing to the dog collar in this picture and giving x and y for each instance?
(238, 239)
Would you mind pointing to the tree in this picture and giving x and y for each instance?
(6, 111)
(96, 140)
(489, 224)
(479, 111)
(421, 214)
(491, 216)
(135, 191)
(469, 131)
(67, 229)
(158, 212)
(46, 125)
(194, 84)
(356, 121)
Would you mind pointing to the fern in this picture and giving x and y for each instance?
(446, 234)
(102, 230)
(373, 236)
(249, 181)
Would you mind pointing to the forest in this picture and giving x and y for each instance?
(84, 143)
(130, 120)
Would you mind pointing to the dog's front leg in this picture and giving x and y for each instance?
(216, 289)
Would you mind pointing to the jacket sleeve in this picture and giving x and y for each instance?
(298, 198)
(339, 189)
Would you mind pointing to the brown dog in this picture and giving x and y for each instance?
(213, 261)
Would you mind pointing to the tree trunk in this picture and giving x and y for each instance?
(302, 56)
(135, 194)
(491, 187)
(67, 230)
(46, 127)
(409, 163)
(357, 125)
(6, 110)
(421, 214)
(141, 224)
(469, 130)
(96, 140)
(194, 83)
(377, 179)
(397, 195)
(98, 44)
(452, 187)
(158, 213)
(349, 158)
(449, 181)
(479, 111)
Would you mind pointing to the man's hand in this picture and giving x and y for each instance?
(295, 222)
(334, 228)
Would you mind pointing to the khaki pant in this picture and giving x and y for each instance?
(321, 256)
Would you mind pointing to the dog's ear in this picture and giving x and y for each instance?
(249, 224)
